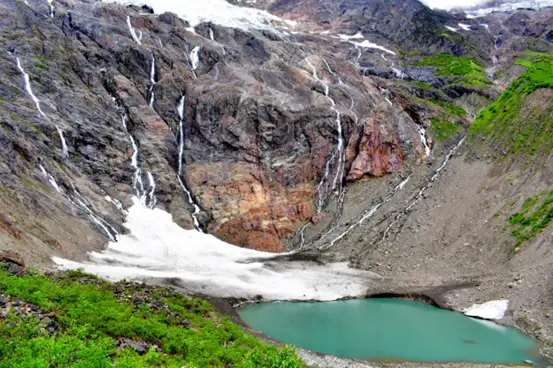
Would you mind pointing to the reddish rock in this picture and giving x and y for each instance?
(248, 209)
(12, 257)
(318, 217)
(9, 227)
(376, 150)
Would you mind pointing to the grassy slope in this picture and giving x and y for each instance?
(534, 216)
(462, 70)
(509, 126)
(502, 122)
(94, 314)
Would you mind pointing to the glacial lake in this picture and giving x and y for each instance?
(389, 330)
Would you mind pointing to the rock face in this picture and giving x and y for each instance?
(261, 140)
(375, 149)
(262, 127)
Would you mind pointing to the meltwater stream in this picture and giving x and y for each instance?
(180, 142)
(339, 152)
(29, 91)
(390, 330)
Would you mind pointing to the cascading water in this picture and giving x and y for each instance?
(339, 152)
(135, 37)
(63, 143)
(367, 214)
(51, 4)
(117, 204)
(211, 36)
(418, 197)
(29, 91)
(152, 81)
(83, 204)
(195, 59)
(424, 140)
(147, 196)
(50, 178)
(28, 87)
(152, 190)
(180, 143)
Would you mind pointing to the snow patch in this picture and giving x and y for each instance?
(369, 45)
(465, 27)
(215, 11)
(494, 309)
(158, 248)
(452, 29)
(510, 6)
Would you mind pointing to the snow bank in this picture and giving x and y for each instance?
(511, 6)
(494, 309)
(157, 248)
(216, 11)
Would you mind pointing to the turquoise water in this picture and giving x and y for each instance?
(389, 329)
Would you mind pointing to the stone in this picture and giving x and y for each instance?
(141, 348)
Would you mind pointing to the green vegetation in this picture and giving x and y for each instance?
(533, 217)
(507, 123)
(425, 86)
(92, 314)
(450, 108)
(463, 70)
(444, 129)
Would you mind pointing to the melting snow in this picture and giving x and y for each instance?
(452, 29)
(369, 45)
(494, 309)
(356, 36)
(158, 248)
(510, 6)
(216, 11)
(465, 27)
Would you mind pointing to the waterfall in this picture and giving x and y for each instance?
(332, 72)
(50, 179)
(117, 204)
(339, 152)
(152, 81)
(418, 197)
(83, 204)
(424, 141)
(147, 196)
(351, 108)
(358, 57)
(180, 109)
(195, 58)
(63, 143)
(136, 38)
(368, 214)
(29, 90)
(211, 36)
(152, 188)
(51, 4)
(28, 87)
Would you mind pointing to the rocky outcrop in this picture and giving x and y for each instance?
(375, 150)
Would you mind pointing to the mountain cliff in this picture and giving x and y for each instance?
(413, 144)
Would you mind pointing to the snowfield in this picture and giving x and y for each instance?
(215, 11)
(157, 248)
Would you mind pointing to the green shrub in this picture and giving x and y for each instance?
(533, 217)
(463, 70)
(444, 130)
(92, 316)
(502, 121)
